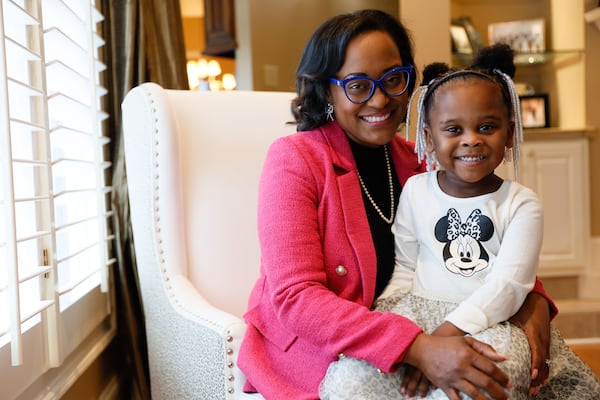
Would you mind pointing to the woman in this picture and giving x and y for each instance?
(327, 199)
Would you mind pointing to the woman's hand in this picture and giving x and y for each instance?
(459, 364)
(534, 318)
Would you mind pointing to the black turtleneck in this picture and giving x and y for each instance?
(373, 171)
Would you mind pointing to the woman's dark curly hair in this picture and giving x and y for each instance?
(324, 55)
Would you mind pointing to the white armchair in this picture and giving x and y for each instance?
(193, 161)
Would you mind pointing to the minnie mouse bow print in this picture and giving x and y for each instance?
(463, 253)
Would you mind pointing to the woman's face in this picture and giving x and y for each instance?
(374, 122)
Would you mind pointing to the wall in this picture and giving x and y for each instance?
(271, 35)
(592, 63)
(426, 40)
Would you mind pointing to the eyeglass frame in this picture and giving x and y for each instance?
(376, 82)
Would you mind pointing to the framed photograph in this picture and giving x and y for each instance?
(535, 111)
(527, 36)
(460, 40)
(472, 33)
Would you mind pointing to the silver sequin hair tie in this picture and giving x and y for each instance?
(516, 112)
(420, 142)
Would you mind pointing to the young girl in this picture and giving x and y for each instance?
(466, 240)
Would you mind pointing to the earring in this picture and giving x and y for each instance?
(508, 154)
(431, 161)
(329, 112)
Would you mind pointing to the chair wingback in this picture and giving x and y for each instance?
(193, 162)
(225, 136)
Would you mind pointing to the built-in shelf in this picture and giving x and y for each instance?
(593, 16)
(525, 59)
(554, 132)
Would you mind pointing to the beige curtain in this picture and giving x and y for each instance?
(144, 44)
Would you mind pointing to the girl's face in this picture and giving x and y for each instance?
(469, 129)
(374, 122)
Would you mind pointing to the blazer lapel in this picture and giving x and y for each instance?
(353, 209)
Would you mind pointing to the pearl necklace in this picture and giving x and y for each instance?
(362, 184)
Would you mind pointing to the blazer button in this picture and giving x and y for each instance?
(341, 270)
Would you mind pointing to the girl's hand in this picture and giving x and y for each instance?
(414, 382)
(534, 318)
(459, 364)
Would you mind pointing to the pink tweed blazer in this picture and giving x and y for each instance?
(318, 266)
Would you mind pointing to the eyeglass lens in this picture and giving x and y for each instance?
(360, 89)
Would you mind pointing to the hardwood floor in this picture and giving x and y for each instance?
(590, 353)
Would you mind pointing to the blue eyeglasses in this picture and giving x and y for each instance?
(360, 89)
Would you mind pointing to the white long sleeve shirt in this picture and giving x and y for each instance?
(481, 252)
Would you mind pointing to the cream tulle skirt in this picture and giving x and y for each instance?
(570, 377)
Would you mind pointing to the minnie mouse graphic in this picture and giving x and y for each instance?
(463, 253)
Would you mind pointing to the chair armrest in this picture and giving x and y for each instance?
(194, 346)
(230, 329)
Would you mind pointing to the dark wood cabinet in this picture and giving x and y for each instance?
(219, 24)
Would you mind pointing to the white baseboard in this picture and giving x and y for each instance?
(588, 286)
(582, 341)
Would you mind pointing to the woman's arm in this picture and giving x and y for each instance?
(534, 319)
(539, 289)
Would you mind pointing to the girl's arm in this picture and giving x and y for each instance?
(518, 234)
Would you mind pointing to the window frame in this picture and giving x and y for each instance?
(48, 357)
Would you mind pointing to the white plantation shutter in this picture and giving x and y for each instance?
(54, 235)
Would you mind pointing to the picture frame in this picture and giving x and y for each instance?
(465, 38)
(460, 40)
(535, 111)
(525, 36)
(472, 33)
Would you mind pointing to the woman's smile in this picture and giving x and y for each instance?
(376, 118)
